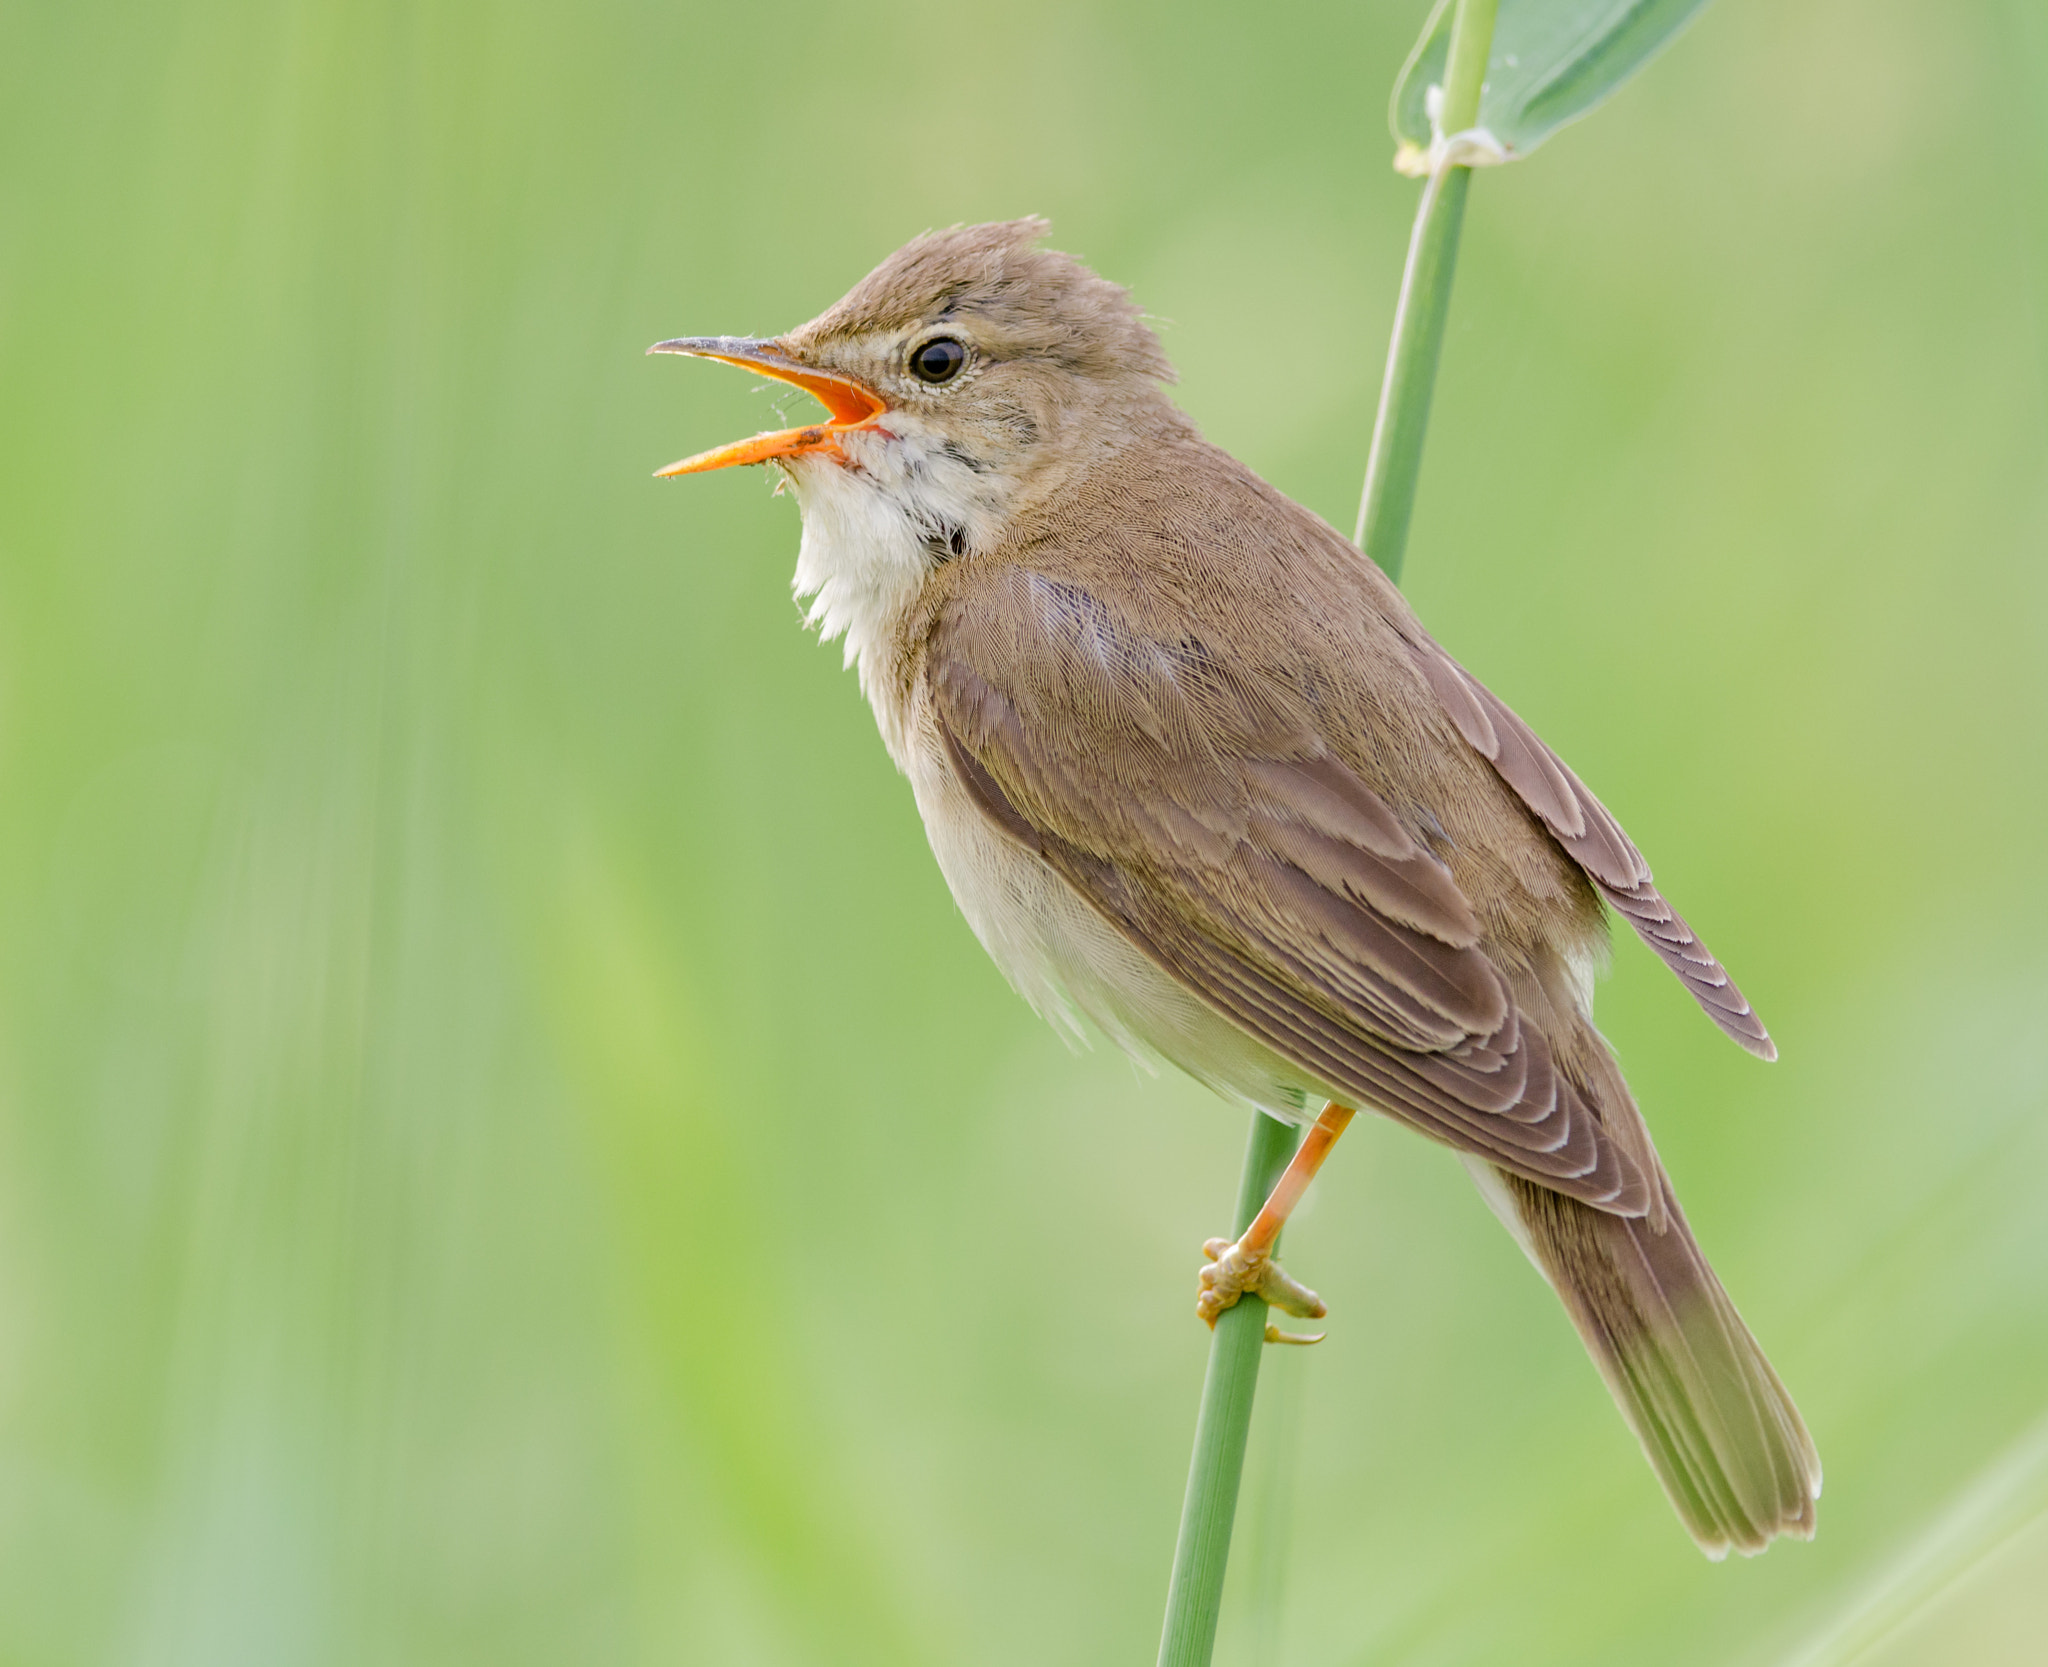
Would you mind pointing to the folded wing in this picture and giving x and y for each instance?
(1227, 842)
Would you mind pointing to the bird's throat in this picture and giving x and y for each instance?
(876, 528)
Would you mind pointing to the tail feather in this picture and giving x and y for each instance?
(1715, 1422)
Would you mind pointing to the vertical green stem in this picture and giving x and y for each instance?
(1394, 463)
(1465, 74)
(1194, 1600)
(1270, 1510)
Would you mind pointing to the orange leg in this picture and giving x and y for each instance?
(1248, 1264)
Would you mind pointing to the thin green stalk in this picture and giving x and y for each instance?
(1465, 73)
(1271, 1508)
(1394, 463)
(1194, 1600)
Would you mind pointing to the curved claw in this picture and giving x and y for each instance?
(1233, 1270)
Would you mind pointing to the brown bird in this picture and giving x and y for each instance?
(1195, 772)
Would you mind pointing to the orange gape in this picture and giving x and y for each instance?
(852, 405)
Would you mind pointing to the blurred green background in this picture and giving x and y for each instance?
(507, 1152)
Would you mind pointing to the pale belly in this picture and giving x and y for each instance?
(1071, 964)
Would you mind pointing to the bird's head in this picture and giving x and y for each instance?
(970, 364)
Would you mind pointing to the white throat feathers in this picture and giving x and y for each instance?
(904, 502)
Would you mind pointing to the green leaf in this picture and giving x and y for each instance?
(1551, 62)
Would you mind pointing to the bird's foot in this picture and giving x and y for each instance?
(1235, 1269)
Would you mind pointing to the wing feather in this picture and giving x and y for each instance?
(1226, 840)
(1592, 838)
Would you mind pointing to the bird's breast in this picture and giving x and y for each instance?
(1070, 963)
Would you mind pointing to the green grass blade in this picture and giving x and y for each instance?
(2009, 1497)
(1551, 62)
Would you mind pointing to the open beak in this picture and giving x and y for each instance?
(852, 404)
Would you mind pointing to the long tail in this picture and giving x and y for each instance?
(1715, 1422)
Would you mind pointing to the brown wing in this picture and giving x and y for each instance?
(1226, 841)
(1593, 839)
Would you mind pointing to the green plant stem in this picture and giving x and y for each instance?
(1194, 1600)
(1465, 69)
(1394, 463)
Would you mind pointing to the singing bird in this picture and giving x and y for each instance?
(1195, 773)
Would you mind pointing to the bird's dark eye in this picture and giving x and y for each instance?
(938, 360)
